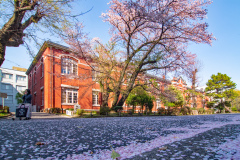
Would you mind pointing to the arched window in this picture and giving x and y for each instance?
(69, 66)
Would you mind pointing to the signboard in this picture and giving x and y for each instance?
(3, 95)
(76, 107)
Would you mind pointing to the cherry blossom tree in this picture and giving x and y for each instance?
(154, 35)
(191, 73)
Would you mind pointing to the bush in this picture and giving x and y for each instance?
(175, 112)
(189, 110)
(210, 111)
(117, 108)
(161, 111)
(70, 109)
(201, 111)
(55, 110)
(234, 108)
(184, 111)
(104, 110)
(80, 112)
(169, 111)
(94, 112)
(5, 109)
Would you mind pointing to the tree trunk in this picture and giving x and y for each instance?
(116, 97)
(2, 52)
(194, 88)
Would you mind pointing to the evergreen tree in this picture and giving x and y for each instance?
(172, 97)
(139, 96)
(220, 89)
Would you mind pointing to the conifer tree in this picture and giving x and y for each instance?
(220, 88)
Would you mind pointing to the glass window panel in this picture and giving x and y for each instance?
(69, 97)
(63, 96)
(95, 98)
(69, 66)
(75, 98)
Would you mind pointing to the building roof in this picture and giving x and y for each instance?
(19, 69)
(45, 45)
(158, 78)
(177, 79)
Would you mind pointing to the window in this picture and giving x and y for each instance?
(69, 66)
(21, 78)
(6, 86)
(69, 96)
(158, 103)
(21, 88)
(7, 76)
(95, 98)
(42, 68)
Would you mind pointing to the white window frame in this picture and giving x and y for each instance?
(68, 65)
(71, 96)
(24, 88)
(7, 75)
(95, 98)
(158, 103)
(42, 67)
(21, 78)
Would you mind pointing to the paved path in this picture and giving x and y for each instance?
(41, 115)
(184, 137)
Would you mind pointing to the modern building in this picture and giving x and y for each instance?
(12, 81)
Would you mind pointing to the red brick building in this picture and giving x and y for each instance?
(59, 78)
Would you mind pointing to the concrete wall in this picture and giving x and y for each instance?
(14, 86)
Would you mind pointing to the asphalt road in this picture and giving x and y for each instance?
(53, 137)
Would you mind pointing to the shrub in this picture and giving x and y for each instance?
(117, 108)
(70, 109)
(5, 109)
(55, 110)
(94, 112)
(104, 110)
(161, 111)
(234, 108)
(189, 110)
(184, 111)
(175, 112)
(210, 111)
(201, 111)
(80, 112)
(169, 111)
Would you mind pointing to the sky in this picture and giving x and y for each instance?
(222, 56)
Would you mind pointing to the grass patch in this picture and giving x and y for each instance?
(3, 115)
